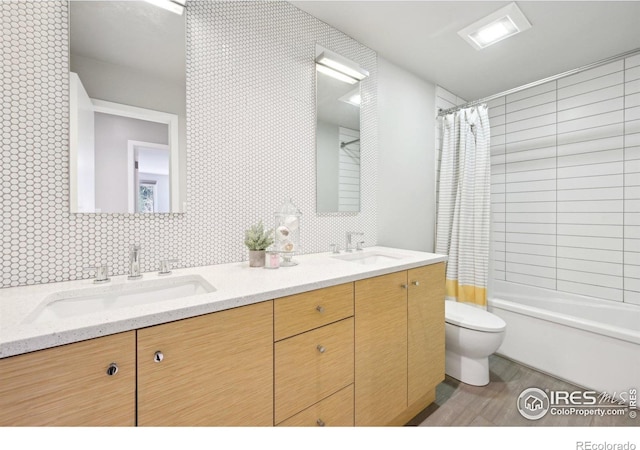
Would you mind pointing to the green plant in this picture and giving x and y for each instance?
(256, 238)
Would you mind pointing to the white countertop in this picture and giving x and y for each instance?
(236, 284)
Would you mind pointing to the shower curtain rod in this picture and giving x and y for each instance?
(344, 144)
(444, 112)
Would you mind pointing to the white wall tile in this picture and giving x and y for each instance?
(590, 290)
(575, 197)
(224, 194)
(633, 73)
(530, 249)
(548, 283)
(529, 102)
(591, 182)
(612, 231)
(590, 266)
(592, 109)
(632, 61)
(531, 207)
(530, 175)
(534, 122)
(588, 134)
(591, 97)
(591, 158)
(591, 85)
(595, 145)
(599, 120)
(530, 186)
(612, 256)
(631, 87)
(529, 269)
(538, 260)
(531, 92)
(527, 113)
(592, 170)
(530, 238)
(601, 243)
(597, 72)
(514, 227)
(584, 205)
(597, 279)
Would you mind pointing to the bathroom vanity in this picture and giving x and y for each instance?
(339, 340)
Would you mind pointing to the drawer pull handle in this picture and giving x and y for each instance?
(320, 309)
(112, 369)
(415, 283)
(158, 356)
(404, 286)
(321, 348)
(320, 422)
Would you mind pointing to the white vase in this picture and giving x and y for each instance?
(256, 258)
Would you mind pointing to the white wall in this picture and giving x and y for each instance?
(112, 136)
(327, 170)
(406, 159)
(251, 143)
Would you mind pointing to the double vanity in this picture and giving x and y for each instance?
(338, 340)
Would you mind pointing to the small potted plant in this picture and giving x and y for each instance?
(257, 240)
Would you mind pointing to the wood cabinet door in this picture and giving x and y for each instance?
(69, 385)
(426, 330)
(380, 349)
(215, 370)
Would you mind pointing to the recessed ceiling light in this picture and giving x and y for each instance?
(505, 22)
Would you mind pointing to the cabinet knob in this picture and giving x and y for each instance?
(112, 369)
(404, 286)
(158, 356)
(320, 309)
(320, 422)
(321, 348)
(415, 283)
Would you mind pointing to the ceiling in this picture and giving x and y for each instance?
(421, 37)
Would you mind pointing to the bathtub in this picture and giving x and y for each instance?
(592, 343)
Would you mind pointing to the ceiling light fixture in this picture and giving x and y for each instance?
(340, 68)
(505, 22)
(175, 6)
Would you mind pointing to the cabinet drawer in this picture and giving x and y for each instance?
(334, 411)
(302, 312)
(311, 366)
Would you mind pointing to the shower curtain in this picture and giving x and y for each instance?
(463, 217)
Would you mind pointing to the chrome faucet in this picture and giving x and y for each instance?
(349, 235)
(134, 262)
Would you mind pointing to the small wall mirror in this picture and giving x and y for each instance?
(337, 132)
(127, 107)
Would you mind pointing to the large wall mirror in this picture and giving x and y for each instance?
(127, 108)
(337, 132)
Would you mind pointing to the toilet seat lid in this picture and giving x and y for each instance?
(473, 318)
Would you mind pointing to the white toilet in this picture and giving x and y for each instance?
(471, 335)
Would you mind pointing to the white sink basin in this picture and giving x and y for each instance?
(368, 258)
(78, 302)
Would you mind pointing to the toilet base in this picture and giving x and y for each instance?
(473, 371)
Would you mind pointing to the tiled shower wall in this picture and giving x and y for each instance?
(251, 142)
(566, 183)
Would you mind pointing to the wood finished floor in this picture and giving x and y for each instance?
(459, 404)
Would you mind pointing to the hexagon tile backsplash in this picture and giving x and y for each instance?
(250, 142)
